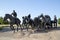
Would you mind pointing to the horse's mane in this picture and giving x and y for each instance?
(8, 15)
(47, 16)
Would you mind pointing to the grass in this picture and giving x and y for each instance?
(6, 25)
(3, 25)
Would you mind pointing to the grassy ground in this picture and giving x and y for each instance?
(3, 25)
(6, 25)
(27, 35)
(58, 24)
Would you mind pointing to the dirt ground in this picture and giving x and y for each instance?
(7, 34)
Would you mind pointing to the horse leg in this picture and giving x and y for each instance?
(21, 27)
(27, 27)
(32, 26)
(56, 24)
(41, 25)
(11, 26)
(14, 29)
(17, 27)
(44, 26)
(51, 25)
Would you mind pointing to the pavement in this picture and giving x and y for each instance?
(8, 34)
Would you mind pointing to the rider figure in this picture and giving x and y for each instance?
(55, 21)
(29, 16)
(14, 14)
(55, 18)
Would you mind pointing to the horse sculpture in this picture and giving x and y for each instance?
(48, 21)
(45, 20)
(27, 22)
(34, 23)
(12, 21)
(24, 22)
(54, 21)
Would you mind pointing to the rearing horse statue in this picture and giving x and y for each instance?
(12, 21)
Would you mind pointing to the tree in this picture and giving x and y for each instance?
(1, 20)
(58, 20)
(5, 22)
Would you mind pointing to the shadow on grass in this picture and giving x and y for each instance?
(47, 30)
(7, 29)
(1, 28)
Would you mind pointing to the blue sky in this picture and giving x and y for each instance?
(33, 7)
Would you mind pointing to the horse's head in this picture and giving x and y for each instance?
(41, 18)
(6, 17)
(25, 19)
(41, 15)
(55, 17)
(29, 16)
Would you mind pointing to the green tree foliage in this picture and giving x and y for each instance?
(58, 20)
(3, 22)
